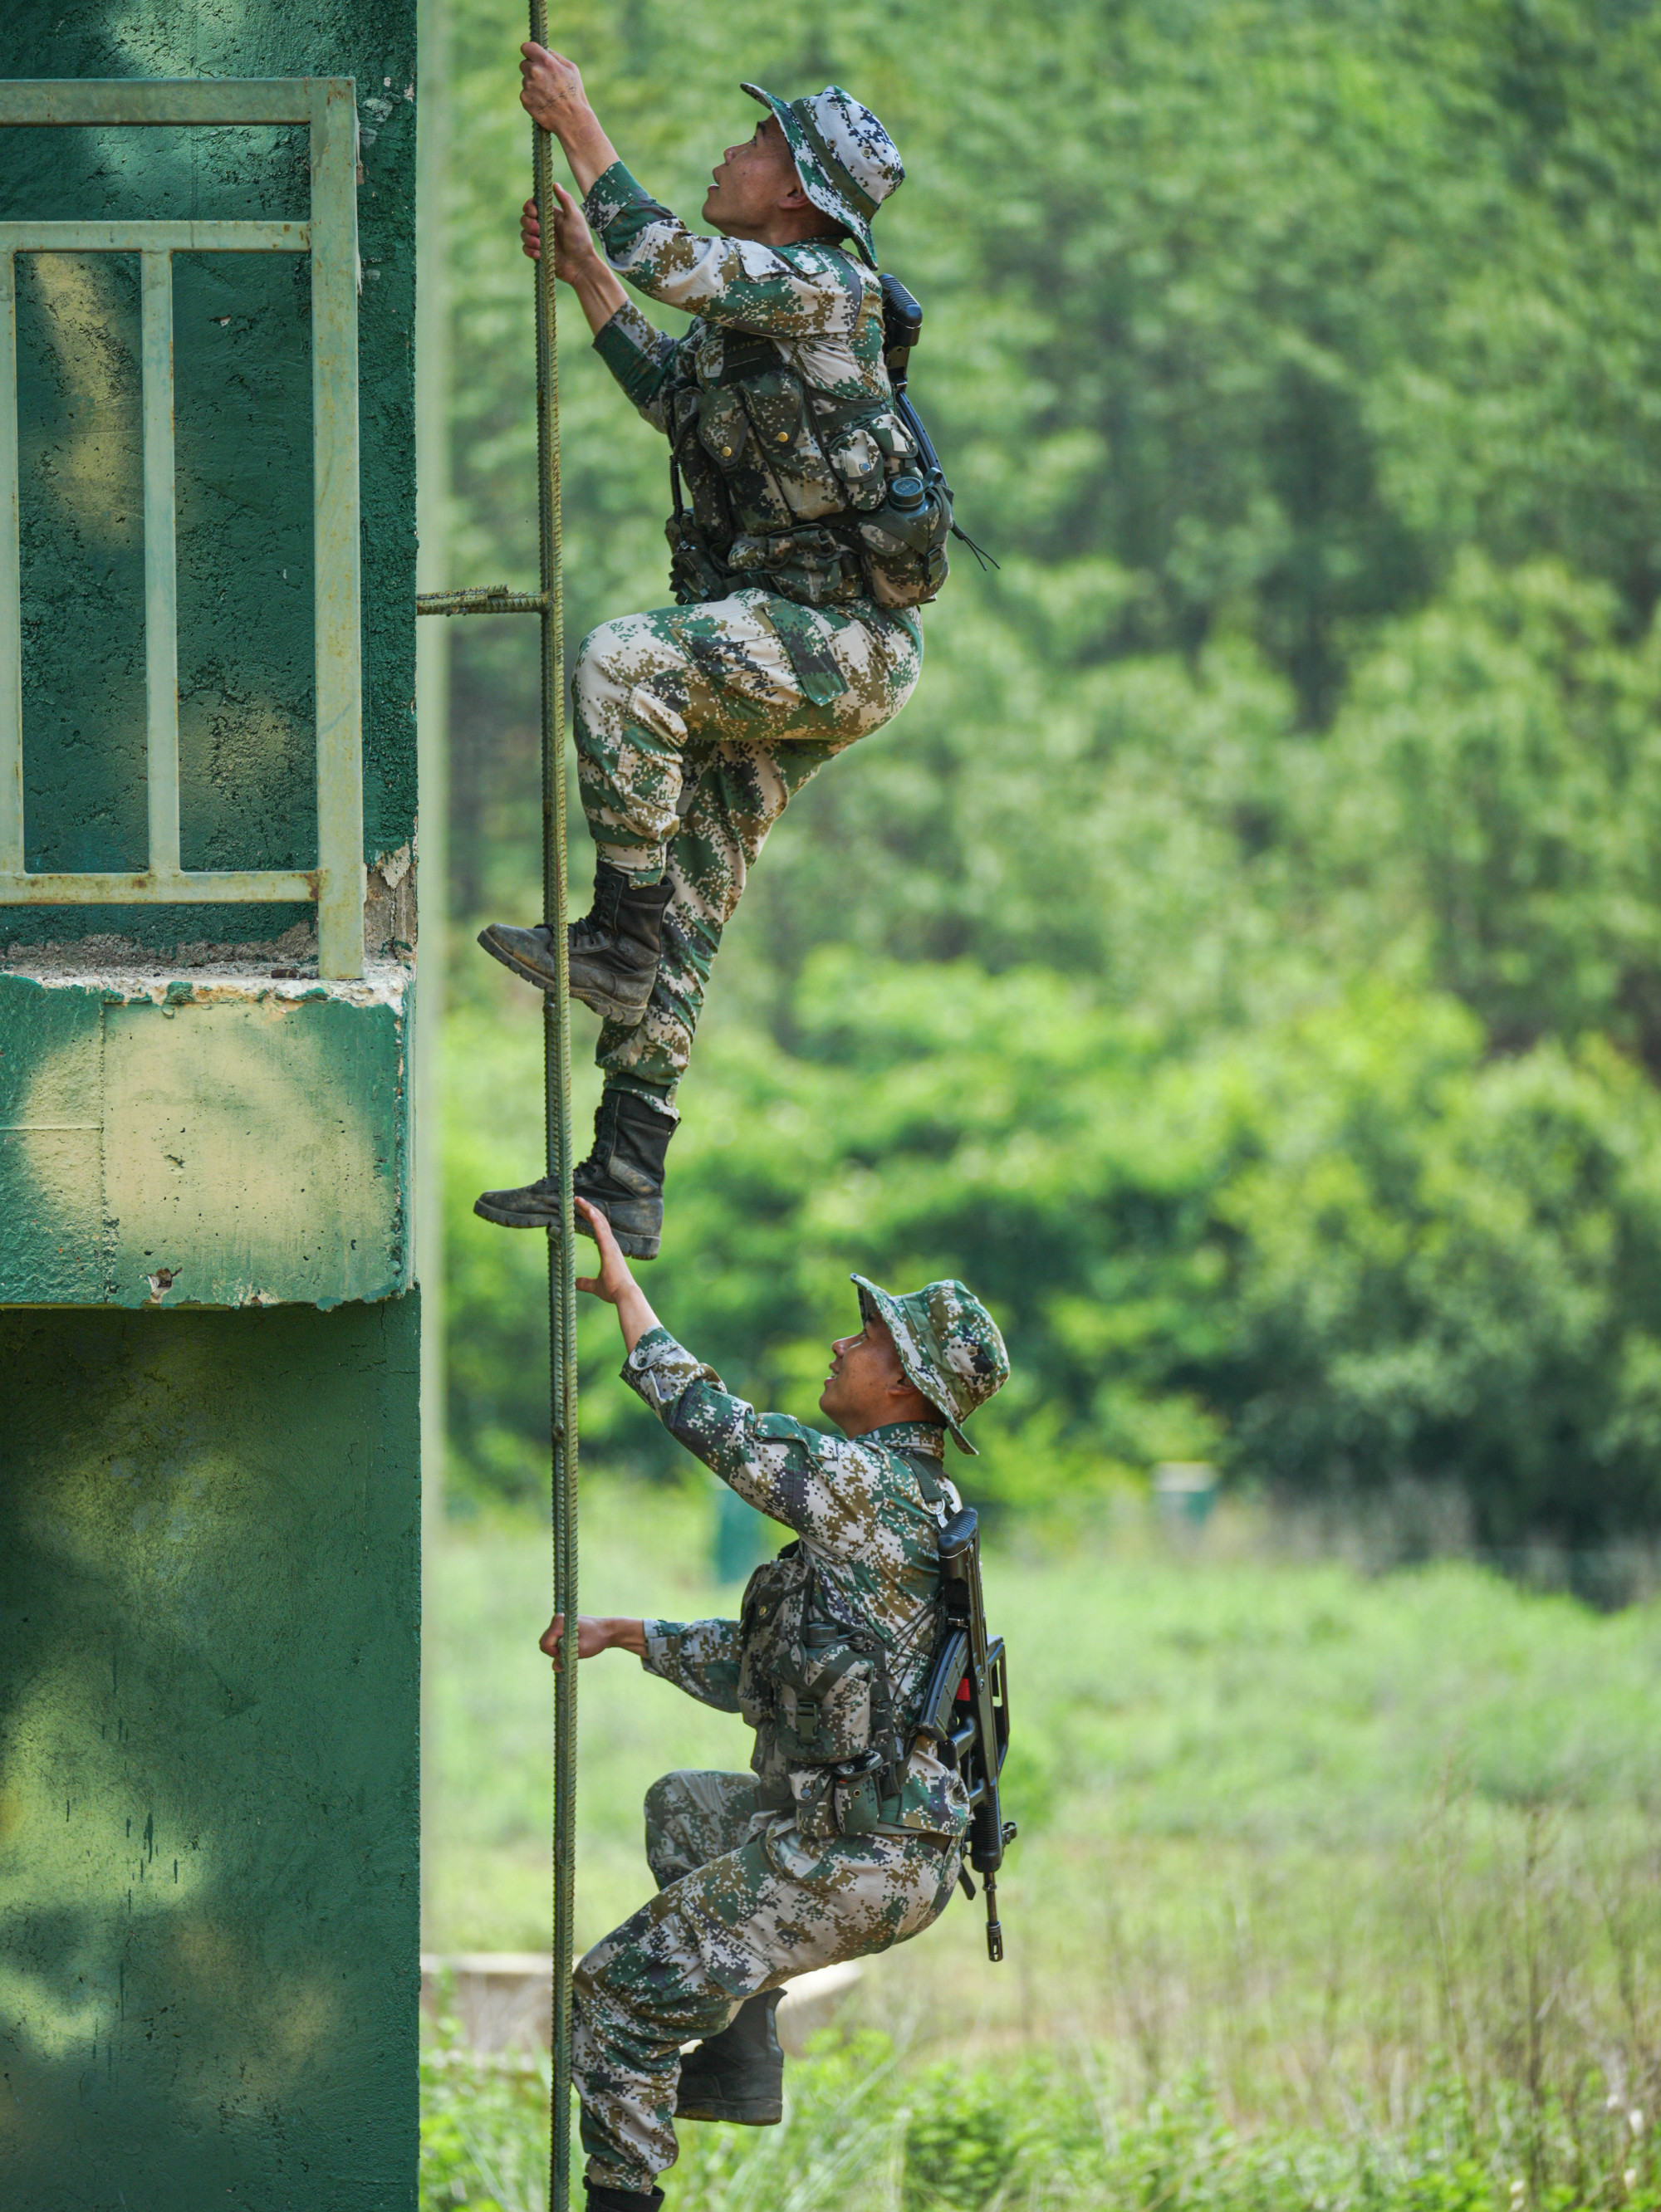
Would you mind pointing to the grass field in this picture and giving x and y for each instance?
(1329, 1890)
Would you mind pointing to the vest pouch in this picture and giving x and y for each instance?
(904, 542)
(786, 441)
(896, 532)
(694, 573)
(858, 1806)
(775, 1599)
(723, 426)
(858, 461)
(823, 1682)
(820, 571)
(778, 410)
(816, 1805)
(749, 555)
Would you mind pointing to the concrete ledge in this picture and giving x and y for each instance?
(500, 2000)
(221, 1138)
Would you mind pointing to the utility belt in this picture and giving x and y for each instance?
(854, 1798)
(817, 565)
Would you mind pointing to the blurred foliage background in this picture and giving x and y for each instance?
(1239, 960)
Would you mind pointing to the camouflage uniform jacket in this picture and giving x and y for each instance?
(858, 1508)
(761, 471)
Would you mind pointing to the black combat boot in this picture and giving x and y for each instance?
(612, 951)
(623, 1176)
(602, 2199)
(739, 2074)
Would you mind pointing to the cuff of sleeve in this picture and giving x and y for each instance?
(613, 191)
(624, 343)
(646, 1349)
(658, 1634)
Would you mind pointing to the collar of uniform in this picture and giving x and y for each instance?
(908, 1436)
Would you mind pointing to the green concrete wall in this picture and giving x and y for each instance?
(243, 425)
(208, 1595)
(208, 1350)
(205, 1141)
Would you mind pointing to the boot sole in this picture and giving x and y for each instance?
(632, 1245)
(621, 1011)
(732, 2115)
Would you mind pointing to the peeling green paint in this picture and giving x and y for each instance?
(205, 1143)
(209, 1885)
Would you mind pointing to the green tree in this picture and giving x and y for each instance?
(1239, 957)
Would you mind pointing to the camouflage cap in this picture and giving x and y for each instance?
(847, 162)
(948, 1344)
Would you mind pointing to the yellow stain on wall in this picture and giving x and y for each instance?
(77, 1853)
(157, 1802)
(95, 467)
(228, 1150)
(220, 1138)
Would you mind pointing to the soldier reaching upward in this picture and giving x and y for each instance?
(806, 534)
(847, 1835)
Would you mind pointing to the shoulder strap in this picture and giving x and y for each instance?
(925, 1467)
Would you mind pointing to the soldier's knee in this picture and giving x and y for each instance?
(660, 1805)
(592, 1974)
(599, 660)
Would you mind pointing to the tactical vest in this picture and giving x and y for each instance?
(820, 1676)
(797, 492)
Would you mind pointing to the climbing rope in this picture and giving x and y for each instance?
(549, 605)
(557, 1096)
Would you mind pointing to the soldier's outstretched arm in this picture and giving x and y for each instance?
(641, 357)
(816, 1484)
(806, 290)
(698, 1656)
(596, 1632)
(615, 1284)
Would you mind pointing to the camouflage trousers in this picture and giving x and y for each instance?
(744, 1903)
(695, 728)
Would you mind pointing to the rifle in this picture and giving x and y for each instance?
(965, 1709)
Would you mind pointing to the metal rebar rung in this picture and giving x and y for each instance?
(482, 599)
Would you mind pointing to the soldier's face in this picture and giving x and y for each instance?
(753, 183)
(859, 1391)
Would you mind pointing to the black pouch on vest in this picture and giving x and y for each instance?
(695, 575)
